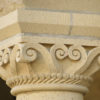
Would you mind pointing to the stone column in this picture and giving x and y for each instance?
(46, 54)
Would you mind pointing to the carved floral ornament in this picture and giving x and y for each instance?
(38, 66)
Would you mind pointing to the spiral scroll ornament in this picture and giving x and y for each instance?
(75, 52)
(31, 54)
(61, 54)
(60, 51)
(26, 54)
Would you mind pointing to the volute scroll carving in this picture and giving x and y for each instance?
(31, 64)
(76, 52)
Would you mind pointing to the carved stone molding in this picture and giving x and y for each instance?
(31, 63)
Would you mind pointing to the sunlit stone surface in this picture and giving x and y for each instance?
(50, 50)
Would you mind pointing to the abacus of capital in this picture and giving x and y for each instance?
(38, 62)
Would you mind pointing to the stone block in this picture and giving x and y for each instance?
(86, 25)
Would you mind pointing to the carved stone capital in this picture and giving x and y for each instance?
(55, 63)
(49, 49)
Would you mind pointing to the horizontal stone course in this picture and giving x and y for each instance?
(49, 22)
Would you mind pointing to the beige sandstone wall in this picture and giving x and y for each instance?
(78, 17)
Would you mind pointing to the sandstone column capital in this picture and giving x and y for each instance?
(38, 63)
(49, 50)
